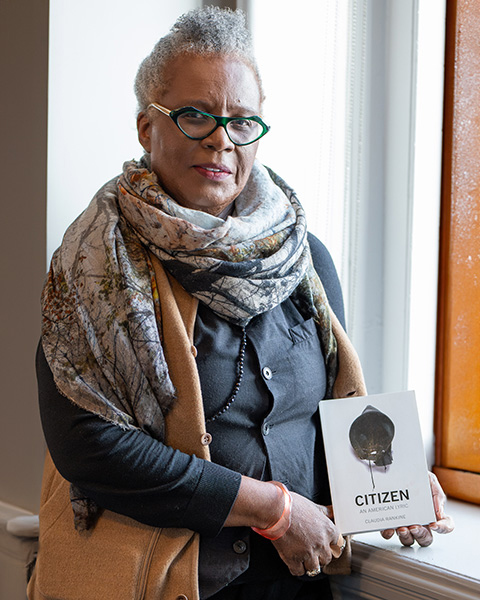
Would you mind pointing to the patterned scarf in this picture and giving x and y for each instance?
(100, 306)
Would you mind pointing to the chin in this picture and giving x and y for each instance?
(213, 205)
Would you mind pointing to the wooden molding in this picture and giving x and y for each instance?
(445, 220)
(457, 411)
(459, 484)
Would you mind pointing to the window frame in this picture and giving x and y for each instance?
(457, 420)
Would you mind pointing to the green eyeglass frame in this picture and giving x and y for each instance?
(219, 122)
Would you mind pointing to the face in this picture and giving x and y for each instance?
(203, 174)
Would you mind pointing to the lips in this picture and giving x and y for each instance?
(214, 172)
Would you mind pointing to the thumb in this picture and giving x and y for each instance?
(338, 547)
(327, 510)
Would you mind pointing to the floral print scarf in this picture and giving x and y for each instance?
(100, 310)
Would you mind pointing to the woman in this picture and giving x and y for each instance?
(185, 320)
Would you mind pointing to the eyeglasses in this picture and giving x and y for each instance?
(198, 125)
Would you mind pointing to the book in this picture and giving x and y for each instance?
(376, 462)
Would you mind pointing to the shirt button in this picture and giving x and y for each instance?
(239, 546)
(267, 372)
(265, 429)
(206, 439)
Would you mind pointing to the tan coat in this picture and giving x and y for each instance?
(122, 559)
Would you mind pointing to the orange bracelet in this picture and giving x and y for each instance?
(281, 527)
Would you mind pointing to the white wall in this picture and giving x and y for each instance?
(95, 50)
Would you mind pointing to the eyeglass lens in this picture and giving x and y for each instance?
(198, 125)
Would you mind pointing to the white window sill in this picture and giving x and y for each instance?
(447, 570)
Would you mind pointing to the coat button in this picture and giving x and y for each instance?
(194, 351)
(239, 546)
(265, 429)
(267, 372)
(206, 439)
(181, 597)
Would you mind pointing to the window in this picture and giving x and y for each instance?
(306, 80)
(374, 199)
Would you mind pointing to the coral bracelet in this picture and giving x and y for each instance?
(283, 524)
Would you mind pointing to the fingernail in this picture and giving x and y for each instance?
(414, 530)
(389, 532)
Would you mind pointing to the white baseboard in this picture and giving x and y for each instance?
(16, 551)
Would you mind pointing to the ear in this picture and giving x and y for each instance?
(144, 131)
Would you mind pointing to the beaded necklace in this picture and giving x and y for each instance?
(236, 387)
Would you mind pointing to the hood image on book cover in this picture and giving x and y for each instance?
(371, 436)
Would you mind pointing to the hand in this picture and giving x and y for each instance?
(423, 534)
(306, 545)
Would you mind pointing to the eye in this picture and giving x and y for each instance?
(195, 117)
(242, 124)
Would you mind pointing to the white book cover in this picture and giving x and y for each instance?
(376, 462)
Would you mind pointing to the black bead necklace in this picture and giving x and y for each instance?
(236, 387)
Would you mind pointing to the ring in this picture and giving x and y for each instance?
(315, 572)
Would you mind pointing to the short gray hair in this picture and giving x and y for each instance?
(208, 31)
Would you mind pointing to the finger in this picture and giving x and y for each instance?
(438, 495)
(313, 572)
(422, 535)
(297, 569)
(312, 567)
(327, 510)
(445, 525)
(387, 533)
(439, 501)
(338, 546)
(405, 537)
(324, 555)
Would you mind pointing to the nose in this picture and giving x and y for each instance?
(219, 140)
